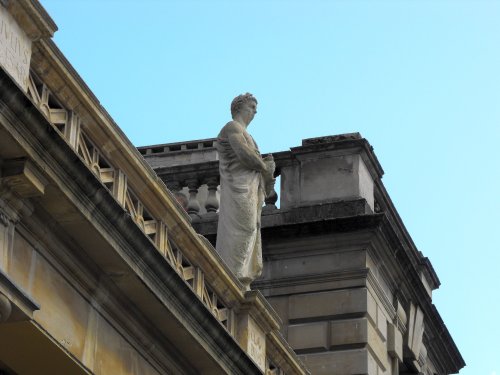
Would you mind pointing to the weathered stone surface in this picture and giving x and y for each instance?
(394, 342)
(415, 330)
(327, 262)
(23, 177)
(377, 347)
(280, 305)
(331, 303)
(173, 154)
(312, 182)
(252, 339)
(342, 362)
(348, 332)
(381, 324)
(308, 336)
(15, 48)
(359, 332)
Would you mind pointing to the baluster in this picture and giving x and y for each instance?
(72, 130)
(271, 199)
(120, 187)
(193, 206)
(44, 100)
(212, 203)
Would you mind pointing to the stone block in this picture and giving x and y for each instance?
(415, 330)
(377, 347)
(252, 339)
(308, 336)
(342, 362)
(371, 307)
(23, 177)
(315, 264)
(325, 177)
(15, 49)
(331, 303)
(349, 331)
(280, 305)
(381, 324)
(394, 342)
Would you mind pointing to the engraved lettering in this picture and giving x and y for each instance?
(15, 49)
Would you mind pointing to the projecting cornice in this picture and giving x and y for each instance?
(32, 18)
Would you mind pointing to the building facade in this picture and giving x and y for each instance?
(101, 271)
(105, 270)
(341, 270)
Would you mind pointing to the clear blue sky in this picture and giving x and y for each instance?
(419, 79)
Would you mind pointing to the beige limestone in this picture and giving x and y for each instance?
(70, 318)
(349, 331)
(15, 48)
(252, 339)
(342, 362)
(394, 342)
(308, 336)
(330, 303)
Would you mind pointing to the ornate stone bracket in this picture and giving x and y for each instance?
(23, 178)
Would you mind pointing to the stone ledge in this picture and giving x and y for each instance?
(353, 212)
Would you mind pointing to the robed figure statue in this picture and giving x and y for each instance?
(245, 179)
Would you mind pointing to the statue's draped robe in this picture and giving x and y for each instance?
(242, 196)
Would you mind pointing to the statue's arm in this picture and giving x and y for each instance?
(245, 153)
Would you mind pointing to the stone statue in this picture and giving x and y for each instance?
(245, 179)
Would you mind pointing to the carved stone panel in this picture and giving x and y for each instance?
(252, 339)
(15, 49)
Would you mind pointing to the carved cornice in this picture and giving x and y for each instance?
(313, 278)
(32, 17)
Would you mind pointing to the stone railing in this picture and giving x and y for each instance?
(306, 173)
(248, 318)
(70, 127)
(195, 179)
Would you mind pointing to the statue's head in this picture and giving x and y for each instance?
(245, 107)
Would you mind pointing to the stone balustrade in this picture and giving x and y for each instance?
(308, 174)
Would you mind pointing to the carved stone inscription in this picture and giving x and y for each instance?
(256, 344)
(252, 339)
(15, 49)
